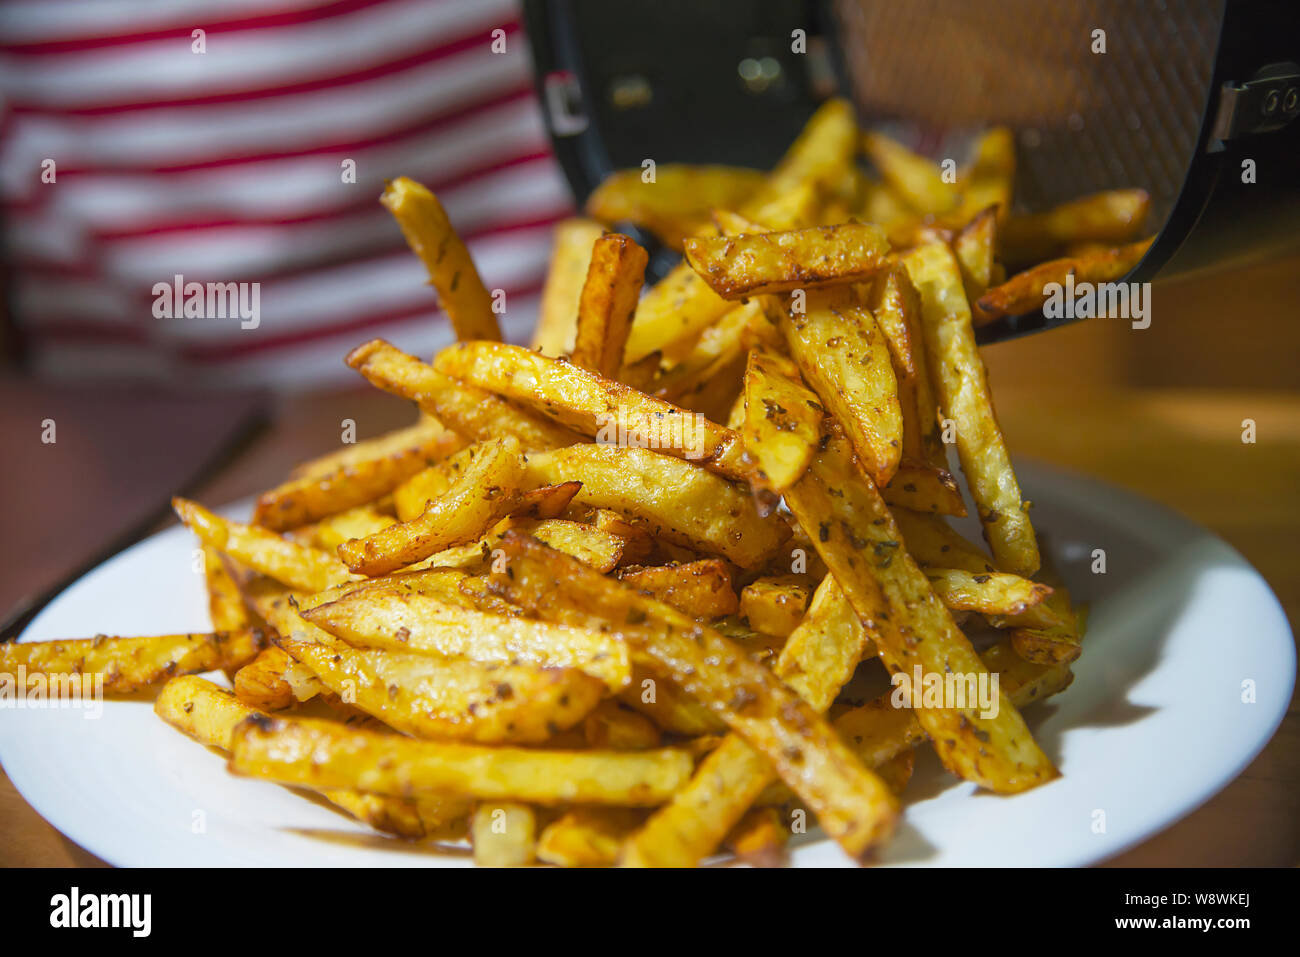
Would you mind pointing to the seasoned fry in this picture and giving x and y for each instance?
(860, 543)
(298, 566)
(845, 358)
(399, 619)
(851, 803)
(331, 532)
(817, 660)
(594, 405)
(1055, 644)
(557, 316)
(702, 589)
(962, 383)
(225, 607)
(503, 834)
(736, 267)
(917, 179)
(820, 155)
(1028, 290)
(677, 500)
(672, 313)
(759, 838)
(485, 491)
(448, 699)
(474, 413)
(775, 606)
(587, 836)
(1112, 216)
(322, 755)
(676, 203)
(974, 247)
(609, 297)
(989, 179)
(262, 683)
(431, 236)
(783, 420)
(125, 665)
(303, 500)
(668, 706)
(612, 725)
(989, 593)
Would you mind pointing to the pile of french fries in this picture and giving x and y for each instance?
(572, 615)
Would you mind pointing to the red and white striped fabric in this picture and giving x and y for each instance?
(228, 166)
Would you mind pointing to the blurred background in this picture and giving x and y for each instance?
(249, 141)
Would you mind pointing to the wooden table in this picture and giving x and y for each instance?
(1181, 448)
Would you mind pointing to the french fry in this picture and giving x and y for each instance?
(817, 660)
(474, 413)
(845, 358)
(449, 699)
(759, 838)
(676, 202)
(717, 348)
(974, 247)
(916, 178)
(736, 267)
(431, 236)
(638, 541)
(776, 605)
(677, 500)
(322, 755)
(672, 314)
(298, 566)
(484, 492)
(557, 316)
(262, 683)
(1112, 216)
(125, 665)
(601, 550)
(504, 834)
(1055, 644)
(332, 531)
(783, 420)
(819, 156)
(701, 589)
(989, 593)
(612, 725)
(210, 714)
(594, 405)
(668, 706)
(860, 543)
(587, 836)
(225, 607)
(301, 501)
(962, 383)
(851, 803)
(401, 620)
(609, 297)
(1027, 291)
(989, 179)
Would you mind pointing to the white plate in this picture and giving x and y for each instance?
(1154, 724)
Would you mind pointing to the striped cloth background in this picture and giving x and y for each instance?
(227, 166)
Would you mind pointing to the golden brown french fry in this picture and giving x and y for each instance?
(676, 202)
(676, 500)
(702, 589)
(759, 838)
(672, 314)
(594, 405)
(609, 297)
(845, 357)
(210, 714)
(504, 834)
(322, 755)
(638, 540)
(668, 706)
(851, 803)
(816, 661)
(298, 566)
(1111, 216)
(587, 836)
(449, 699)
(225, 606)
(557, 316)
(962, 383)
(262, 682)
(303, 500)
(737, 267)
(974, 247)
(614, 726)
(484, 492)
(916, 178)
(819, 156)
(783, 420)
(716, 348)
(474, 413)
(431, 236)
(861, 544)
(601, 550)
(1027, 291)
(75, 668)
(989, 179)
(989, 593)
(776, 605)
(1057, 644)
(399, 619)
(331, 532)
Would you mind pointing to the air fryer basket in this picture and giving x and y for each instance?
(1185, 92)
